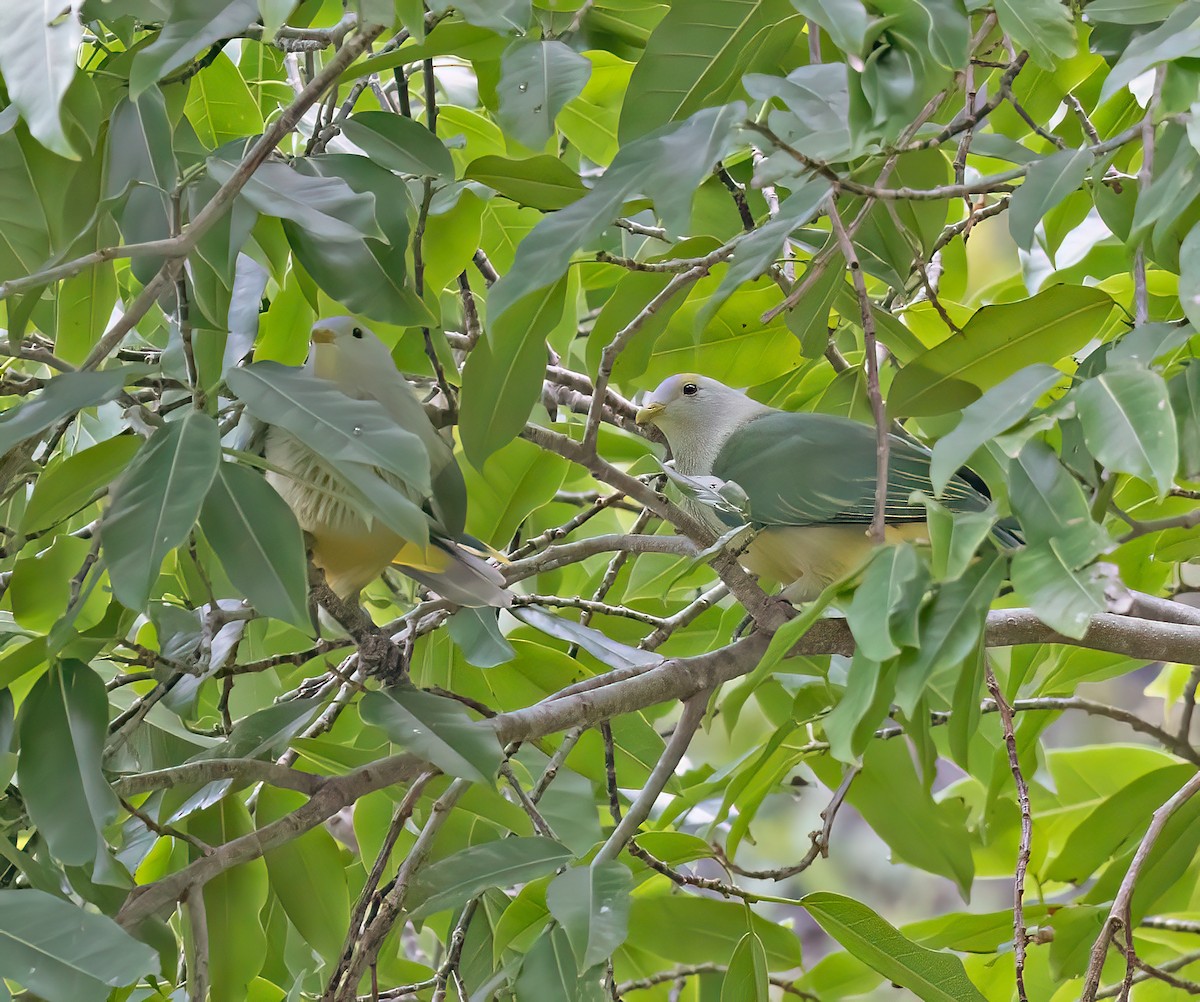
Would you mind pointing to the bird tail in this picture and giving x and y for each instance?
(458, 573)
(1008, 533)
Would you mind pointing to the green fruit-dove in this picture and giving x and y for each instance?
(351, 546)
(805, 481)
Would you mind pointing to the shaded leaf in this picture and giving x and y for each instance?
(591, 903)
(932, 976)
(747, 980)
(437, 729)
(399, 144)
(38, 60)
(996, 342)
(62, 397)
(191, 27)
(1044, 27)
(1048, 182)
(536, 79)
(60, 951)
(1128, 424)
(259, 543)
(63, 725)
(542, 182)
(450, 882)
(156, 502)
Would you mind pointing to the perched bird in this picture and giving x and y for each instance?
(352, 547)
(806, 481)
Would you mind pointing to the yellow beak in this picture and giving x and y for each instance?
(647, 414)
(322, 335)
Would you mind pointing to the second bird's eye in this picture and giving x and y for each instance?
(357, 332)
(690, 389)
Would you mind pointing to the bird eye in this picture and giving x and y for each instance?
(690, 389)
(357, 332)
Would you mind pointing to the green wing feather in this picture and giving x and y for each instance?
(818, 469)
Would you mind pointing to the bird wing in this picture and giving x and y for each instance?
(818, 469)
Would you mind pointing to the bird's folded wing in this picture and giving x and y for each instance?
(816, 469)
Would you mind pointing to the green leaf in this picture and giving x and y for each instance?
(63, 724)
(259, 543)
(232, 902)
(950, 628)
(1050, 504)
(156, 502)
(307, 876)
(696, 57)
(591, 903)
(399, 144)
(1185, 399)
(437, 729)
(478, 635)
(542, 182)
(1062, 597)
(502, 379)
(191, 27)
(846, 21)
(330, 423)
(38, 50)
(746, 980)
(536, 79)
(666, 166)
(502, 16)
(602, 648)
(1048, 182)
(1178, 36)
(996, 342)
(60, 951)
(549, 971)
(996, 411)
(931, 976)
(450, 882)
(40, 587)
(367, 275)
(220, 105)
(892, 589)
(1128, 424)
(326, 207)
(1044, 27)
(714, 929)
(69, 485)
(62, 397)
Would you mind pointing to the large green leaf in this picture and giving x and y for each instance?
(1044, 27)
(307, 876)
(714, 929)
(536, 79)
(329, 422)
(191, 27)
(63, 952)
(996, 411)
(232, 902)
(591, 903)
(666, 166)
(549, 971)
(1128, 424)
(399, 144)
(996, 342)
(502, 379)
(260, 545)
(747, 980)
(437, 729)
(882, 614)
(697, 55)
(1062, 597)
(450, 882)
(1051, 505)
(156, 502)
(61, 398)
(38, 61)
(1048, 182)
(542, 182)
(63, 724)
(931, 976)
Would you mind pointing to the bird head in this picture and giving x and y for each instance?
(345, 351)
(689, 400)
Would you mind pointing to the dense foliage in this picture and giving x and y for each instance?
(980, 217)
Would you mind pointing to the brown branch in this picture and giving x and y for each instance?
(1020, 936)
(1119, 913)
(870, 349)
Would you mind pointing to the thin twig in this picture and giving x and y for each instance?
(1020, 936)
